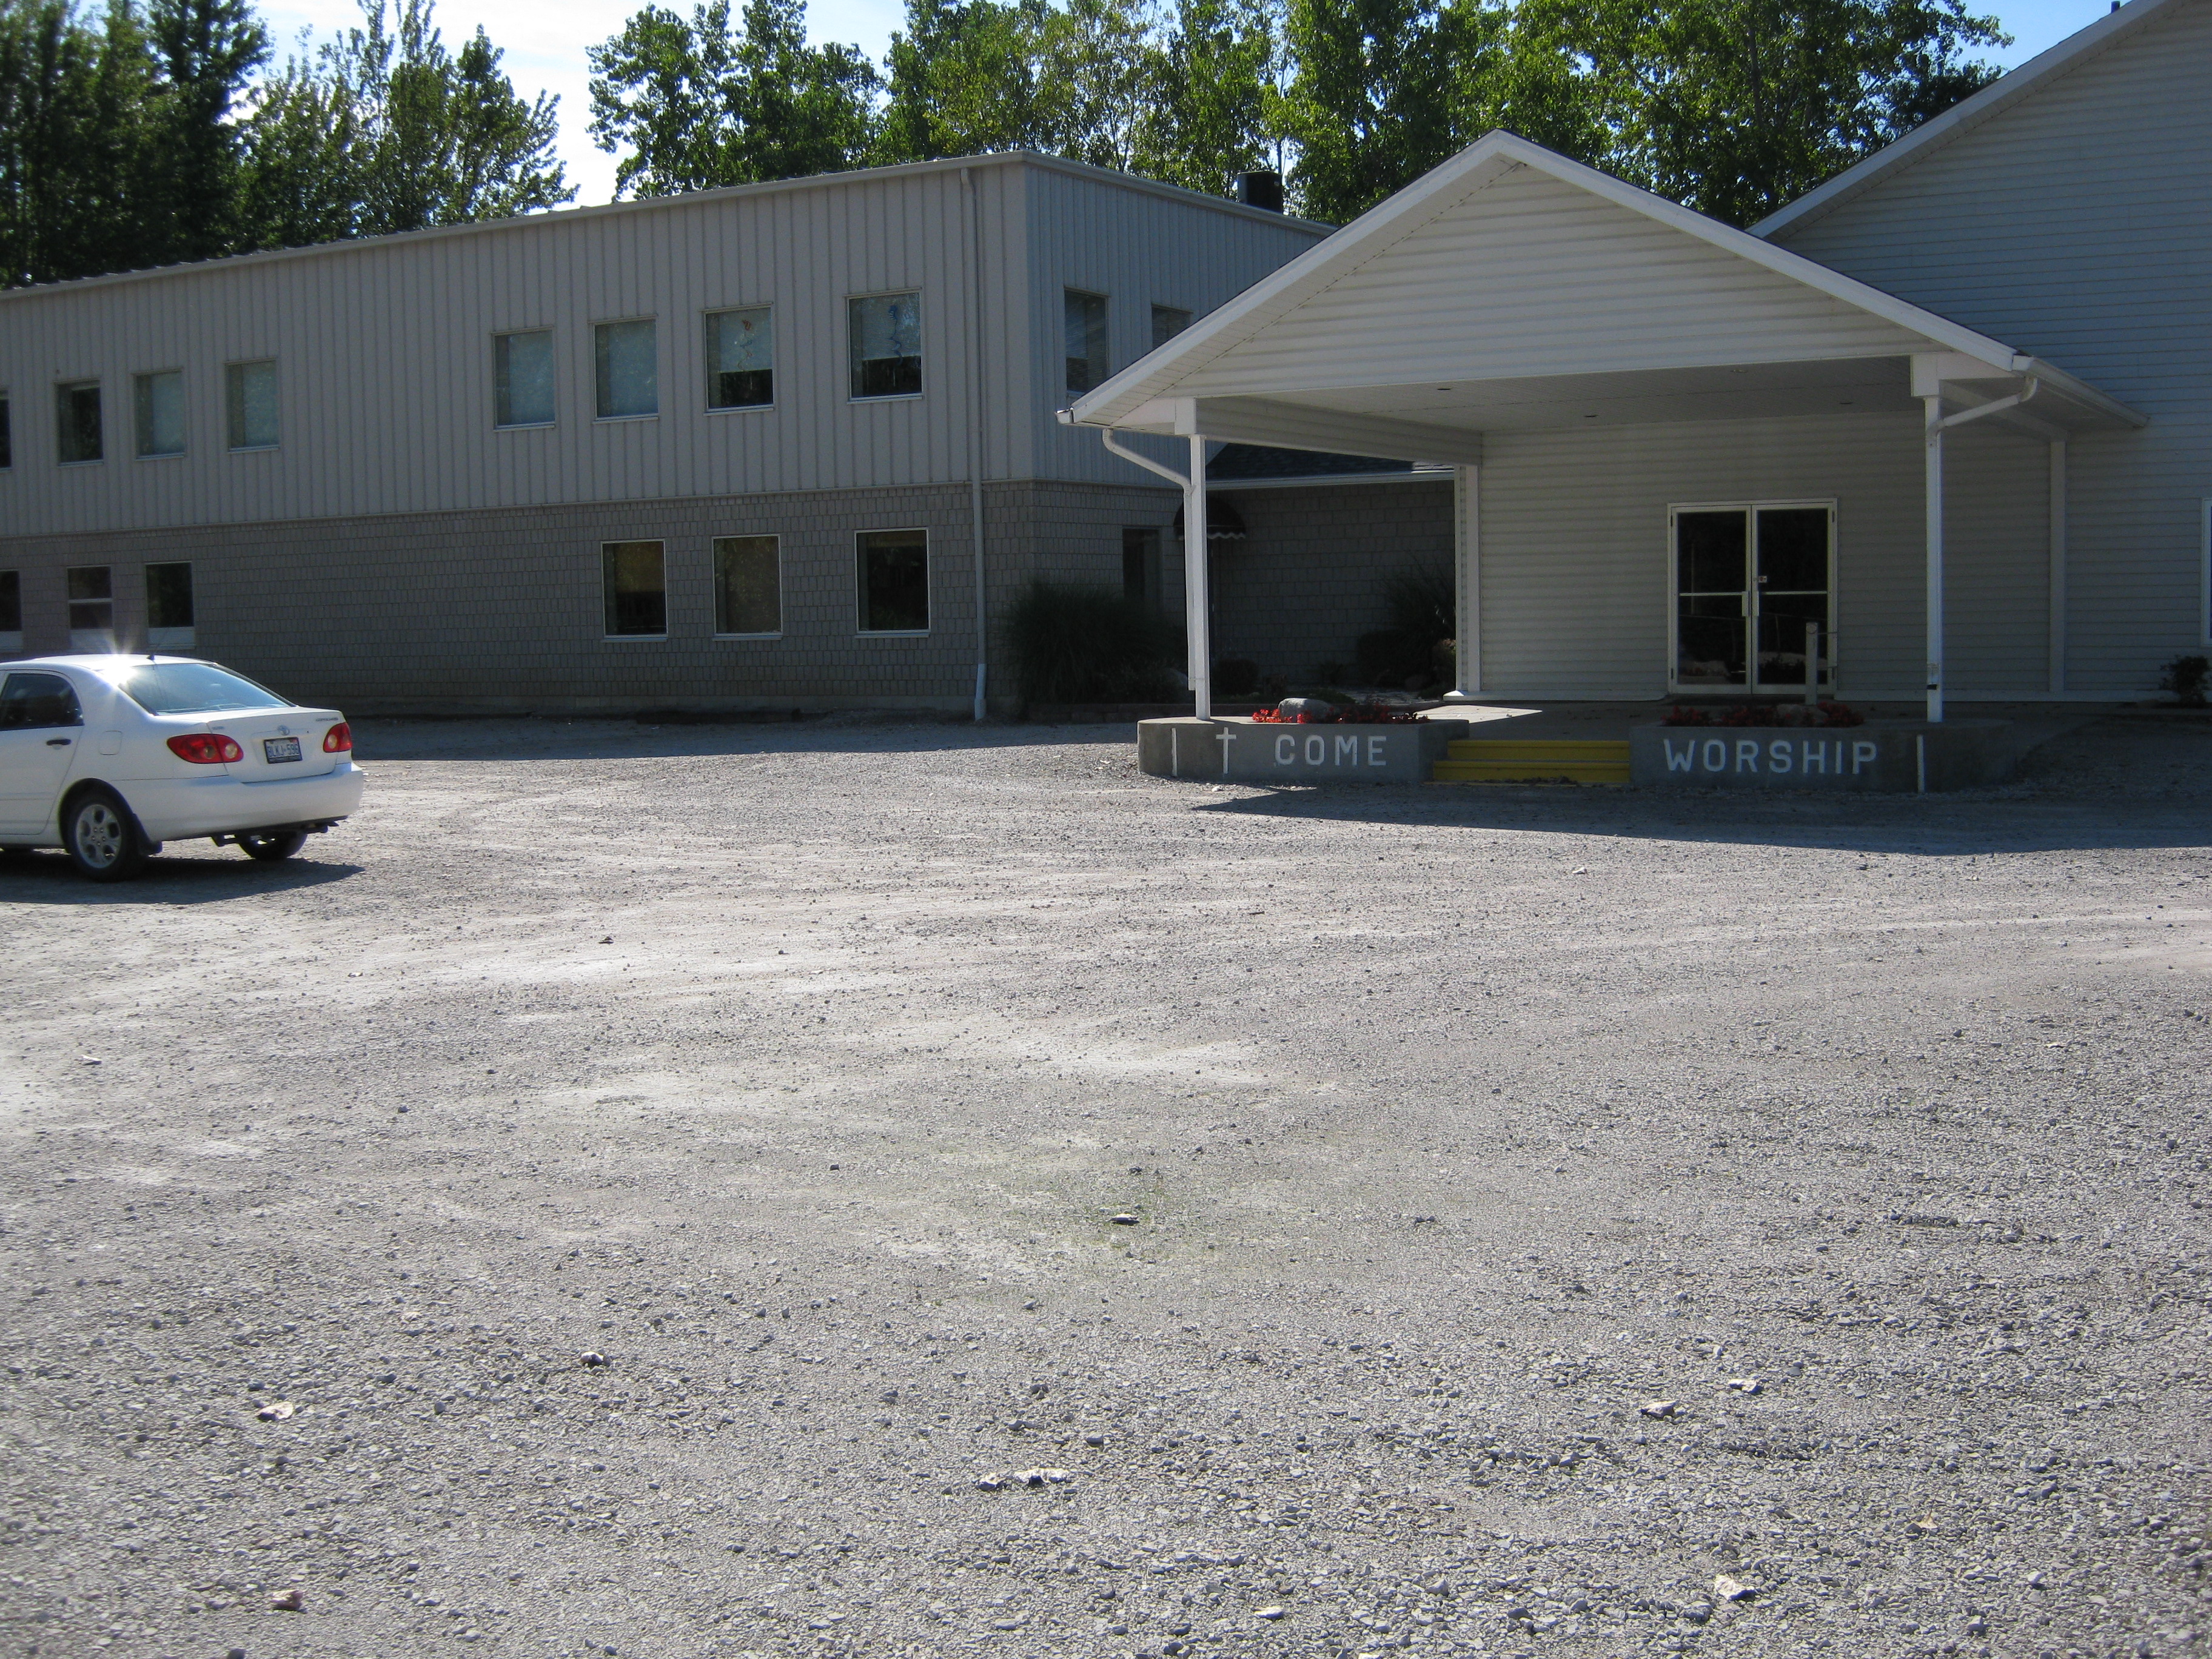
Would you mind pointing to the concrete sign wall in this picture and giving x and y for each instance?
(1242, 750)
(1903, 755)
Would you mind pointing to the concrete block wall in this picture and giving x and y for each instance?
(1313, 574)
(502, 610)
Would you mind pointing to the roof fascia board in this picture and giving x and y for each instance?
(645, 204)
(1474, 167)
(1423, 474)
(1292, 426)
(1999, 95)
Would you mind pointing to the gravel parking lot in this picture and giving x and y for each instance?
(886, 1188)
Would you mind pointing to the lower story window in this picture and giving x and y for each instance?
(1140, 568)
(748, 585)
(894, 581)
(92, 608)
(169, 607)
(11, 610)
(636, 588)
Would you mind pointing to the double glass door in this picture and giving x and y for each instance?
(1748, 581)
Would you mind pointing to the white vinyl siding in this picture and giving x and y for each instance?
(2072, 225)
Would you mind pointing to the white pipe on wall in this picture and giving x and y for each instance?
(2058, 564)
(1197, 619)
(976, 438)
(1467, 562)
(1933, 492)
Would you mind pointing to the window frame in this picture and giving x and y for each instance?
(139, 379)
(499, 336)
(860, 587)
(652, 414)
(70, 601)
(231, 367)
(714, 575)
(62, 389)
(775, 379)
(606, 592)
(172, 636)
(7, 430)
(1105, 360)
(853, 360)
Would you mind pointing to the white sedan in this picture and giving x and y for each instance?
(108, 758)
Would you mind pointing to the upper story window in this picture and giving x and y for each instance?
(76, 421)
(1168, 321)
(740, 359)
(249, 392)
(522, 371)
(625, 362)
(886, 340)
(158, 405)
(7, 436)
(1084, 326)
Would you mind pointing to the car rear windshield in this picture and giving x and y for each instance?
(193, 688)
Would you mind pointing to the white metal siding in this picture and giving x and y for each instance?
(385, 350)
(2073, 225)
(1137, 251)
(1533, 276)
(1577, 589)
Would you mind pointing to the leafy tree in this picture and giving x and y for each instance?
(387, 130)
(1095, 67)
(205, 52)
(963, 80)
(1370, 103)
(73, 103)
(1736, 106)
(1209, 115)
(700, 106)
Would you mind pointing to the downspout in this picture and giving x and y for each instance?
(976, 442)
(1195, 619)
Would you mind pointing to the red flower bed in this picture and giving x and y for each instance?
(1356, 714)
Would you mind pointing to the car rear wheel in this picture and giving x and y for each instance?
(273, 847)
(101, 837)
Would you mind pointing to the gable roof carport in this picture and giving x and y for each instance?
(1512, 289)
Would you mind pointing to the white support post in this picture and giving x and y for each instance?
(1933, 492)
(1197, 617)
(2058, 564)
(1467, 571)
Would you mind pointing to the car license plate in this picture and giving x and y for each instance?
(280, 749)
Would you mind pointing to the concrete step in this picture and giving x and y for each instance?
(1532, 760)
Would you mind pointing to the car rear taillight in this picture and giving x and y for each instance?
(338, 740)
(205, 748)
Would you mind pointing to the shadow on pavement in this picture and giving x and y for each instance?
(48, 877)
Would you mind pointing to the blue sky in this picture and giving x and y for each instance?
(545, 42)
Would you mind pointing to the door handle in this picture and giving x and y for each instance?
(57, 743)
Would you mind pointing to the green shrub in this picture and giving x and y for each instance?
(1088, 645)
(2188, 678)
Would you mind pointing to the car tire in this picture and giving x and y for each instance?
(101, 837)
(273, 847)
